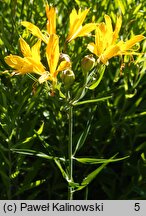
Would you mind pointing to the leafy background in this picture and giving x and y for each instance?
(115, 126)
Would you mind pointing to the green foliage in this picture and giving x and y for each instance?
(109, 118)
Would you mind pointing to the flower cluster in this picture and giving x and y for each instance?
(105, 46)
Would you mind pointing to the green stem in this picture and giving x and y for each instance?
(10, 171)
(70, 189)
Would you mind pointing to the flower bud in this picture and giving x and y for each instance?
(87, 63)
(68, 78)
(64, 57)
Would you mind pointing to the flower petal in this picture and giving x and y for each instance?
(20, 64)
(86, 29)
(14, 61)
(93, 48)
(35, 51)
(76, 21)
(51, 22)
(130, 43)
(37, 66)
(35, 30)
(109, 31)
(117, 29)
(105, 47)
(63, 66)
(109, 53)
(108, 23)
(99, 39)
(52, 52)
(44, 77)
(25, 48)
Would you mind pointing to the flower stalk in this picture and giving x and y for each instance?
(70, 154)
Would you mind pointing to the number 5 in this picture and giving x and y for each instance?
(137, 207)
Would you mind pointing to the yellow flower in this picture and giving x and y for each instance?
(52, 53)
(51, 22)
(51, 25)
(125, 47)
(105, 46)
(76, 29)
(35, 31)
(30, 63)
(20, 64)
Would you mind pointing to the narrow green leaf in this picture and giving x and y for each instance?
(143, 157)
(130, 95)
(73, 184)
(28, 139)
(80, 94)
(64, 174)
(141, 146)
(93, 174)
(135, 115)
(83, 137)
(77, 2)
(96, 83)
(60, 92)
(98, 161)
(30, 186)
(92, 101)
(3, 109)
(33, 153)
(137, 8)
(40, 130)
(121, 5)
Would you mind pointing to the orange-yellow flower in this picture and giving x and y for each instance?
(105, 46)
(51, 22)
(75, 26)
(35, 31)
(51, 25)
(21, 65)
(52, 53)
(125, 47)
(30, 63)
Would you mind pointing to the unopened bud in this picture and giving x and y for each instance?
(87, 63)
(64, 57)
(68, 78)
